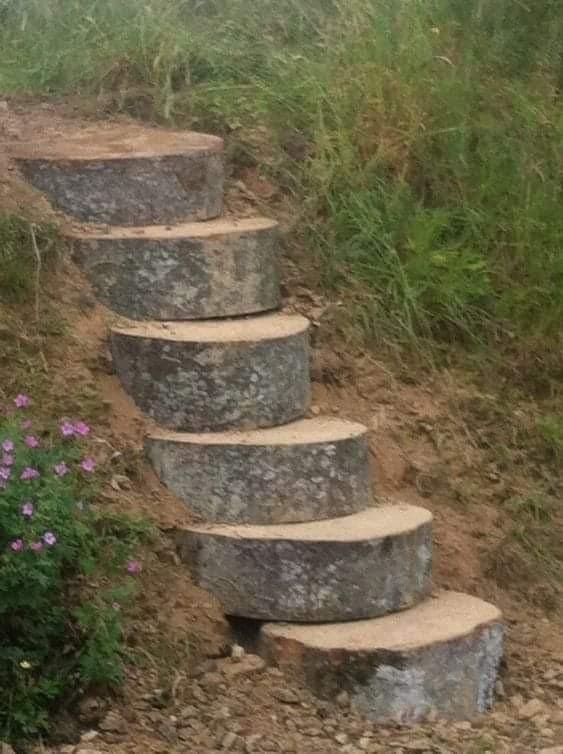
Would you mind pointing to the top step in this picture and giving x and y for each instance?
(128, 175)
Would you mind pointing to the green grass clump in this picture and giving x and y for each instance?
(24, 249)
(430, 178)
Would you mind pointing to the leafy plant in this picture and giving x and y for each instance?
(65, 573)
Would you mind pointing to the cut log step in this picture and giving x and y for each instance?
(222, 268)
(216, 375)
(128, 175)
(357, 566)
(305, 471)
(440, 657)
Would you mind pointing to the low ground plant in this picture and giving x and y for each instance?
(67, 571)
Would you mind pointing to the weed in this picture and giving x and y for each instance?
(22, 248)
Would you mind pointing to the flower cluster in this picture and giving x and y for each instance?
(67, 570)
(21, 461)
(29, 473)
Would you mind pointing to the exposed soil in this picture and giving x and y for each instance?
(183, 696)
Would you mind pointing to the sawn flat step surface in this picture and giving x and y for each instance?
(357, 566)
(216, 375)
(442, 655)
(220, 268)
(128, 175)
(305, 471)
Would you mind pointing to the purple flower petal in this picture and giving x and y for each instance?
(27, 510)
(81, 429)
(49, 539)
(88, 465)
(31, 441)
(29, 474)
(5, 474)
(67, 429)
(8, 446)
(61, 469)
(22, 400)
(134, 567)
(7, 460)
(16, 545)
(36, 546)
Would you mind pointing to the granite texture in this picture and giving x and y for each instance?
(452, 678)
(228, 274)
(132, 191)
(288, 578)
(200, 387)
(266, 483)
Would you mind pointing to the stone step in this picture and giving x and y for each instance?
(440, 657)
(127, 174)
(221, 268)
(216, 375)
(305, 471)
(357, 566)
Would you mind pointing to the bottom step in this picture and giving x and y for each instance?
(440, 657)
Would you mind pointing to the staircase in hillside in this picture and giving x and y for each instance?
(290, 535)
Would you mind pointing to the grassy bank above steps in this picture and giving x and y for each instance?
(422, 139)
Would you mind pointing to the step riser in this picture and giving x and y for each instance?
(133, 191)
(455, 679)
(308, 581)
(249, 484)
(182, 278)
(203, 387)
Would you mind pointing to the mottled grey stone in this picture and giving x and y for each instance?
(179, 188)
(217, 375)
(312, 469)
(440, 657)
(191, 271)
(348, 568)
(128, 175)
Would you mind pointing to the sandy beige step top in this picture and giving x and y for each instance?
(258, 328)
(445, 616)
(378, 522)
(353, 567)
(206, 229)
(114, 142)
(302, 432)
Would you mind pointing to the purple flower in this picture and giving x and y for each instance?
(49, 539)
(27, 510)
(27, 424)
(81, 429)
(16, 545)
(67, 429)
(22, 400)
(8, 446)
(88, 465)
(29, 473)
(5, 474)
(7, 460)
(31, 441)
(134, 567)
(61, 469)
(36, 546)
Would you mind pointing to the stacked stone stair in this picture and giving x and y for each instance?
(288, 531)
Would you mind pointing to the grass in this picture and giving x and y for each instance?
(24, 250)
(422, 140)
